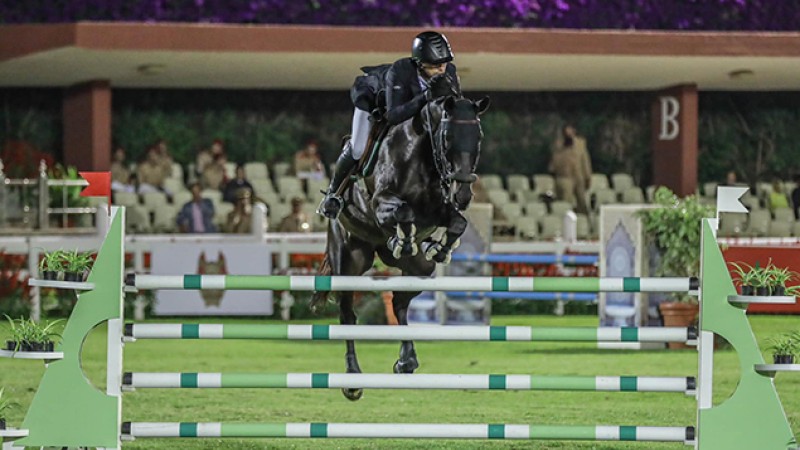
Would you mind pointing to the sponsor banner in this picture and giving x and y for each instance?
(211, 259)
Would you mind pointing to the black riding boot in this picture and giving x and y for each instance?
(332, 204)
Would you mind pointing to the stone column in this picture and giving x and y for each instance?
(87, 125)
(674, 137)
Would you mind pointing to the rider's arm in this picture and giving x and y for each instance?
(453, 76)
(401, 104)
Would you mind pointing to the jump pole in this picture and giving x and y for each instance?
(406, 283)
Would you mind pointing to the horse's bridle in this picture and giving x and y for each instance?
(440, 146)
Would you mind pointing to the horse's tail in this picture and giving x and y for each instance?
(319, 298)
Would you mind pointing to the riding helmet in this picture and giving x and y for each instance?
(431, 47)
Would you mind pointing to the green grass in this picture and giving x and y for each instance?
(429, 406)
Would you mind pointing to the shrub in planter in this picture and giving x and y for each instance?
(5, 405)
(785, 347)
(29, 336)
(676, 229)
(51, 265)
(15, 294)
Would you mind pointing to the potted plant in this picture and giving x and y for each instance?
(745, 274)
(762, 280)
(76, 264)
(675, 227)
(785, 347)
(29, 336)
(51, 265)
(780, 276)
(5, 406)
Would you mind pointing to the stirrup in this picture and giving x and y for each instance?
(331, 206)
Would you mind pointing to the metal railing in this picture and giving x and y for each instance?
(25, 204)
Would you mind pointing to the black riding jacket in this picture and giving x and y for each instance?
(404, 96)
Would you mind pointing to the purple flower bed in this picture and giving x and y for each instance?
(766, 15)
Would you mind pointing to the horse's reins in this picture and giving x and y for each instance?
(440, 159)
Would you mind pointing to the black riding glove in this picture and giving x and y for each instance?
(439, 86)
(376, 115)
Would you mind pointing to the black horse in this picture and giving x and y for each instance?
(420, 184)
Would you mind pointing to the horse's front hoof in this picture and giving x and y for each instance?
(408, 366)
(402, 247)
(353, 394)
(443, 257)
(431, 249)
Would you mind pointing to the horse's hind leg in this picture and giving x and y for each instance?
(407, 361)
(348, 257)
(415, 266)
(347, 316)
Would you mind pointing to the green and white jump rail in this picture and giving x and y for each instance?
(137, 380)
(405, 283)
(406, 430)
(133, 331)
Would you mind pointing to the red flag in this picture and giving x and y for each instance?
(99, 185)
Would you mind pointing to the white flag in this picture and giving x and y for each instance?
(728, 199)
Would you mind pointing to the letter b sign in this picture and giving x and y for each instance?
(670, 128)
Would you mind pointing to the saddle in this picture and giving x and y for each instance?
(367, 162)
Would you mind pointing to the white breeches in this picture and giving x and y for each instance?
(360, 132)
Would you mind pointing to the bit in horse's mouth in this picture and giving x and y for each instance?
(464, 178)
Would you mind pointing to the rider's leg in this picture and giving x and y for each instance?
(332, 203)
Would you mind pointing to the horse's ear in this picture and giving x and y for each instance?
(449, 103)
(482, 105)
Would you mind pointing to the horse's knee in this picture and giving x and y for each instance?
(404, 214)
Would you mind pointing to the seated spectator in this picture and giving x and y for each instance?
(151, 173)
(479, 194)
(206, 156)
(307, 163)
(197, 215)
(777, 198)
(796, 197)
(731, 179)
(297, 221)
(233, 186)
(164, 158)
(214, 173)
(120, 175)
(240, 220)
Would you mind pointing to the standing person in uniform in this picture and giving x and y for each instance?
(409, 84)
(572, 168)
